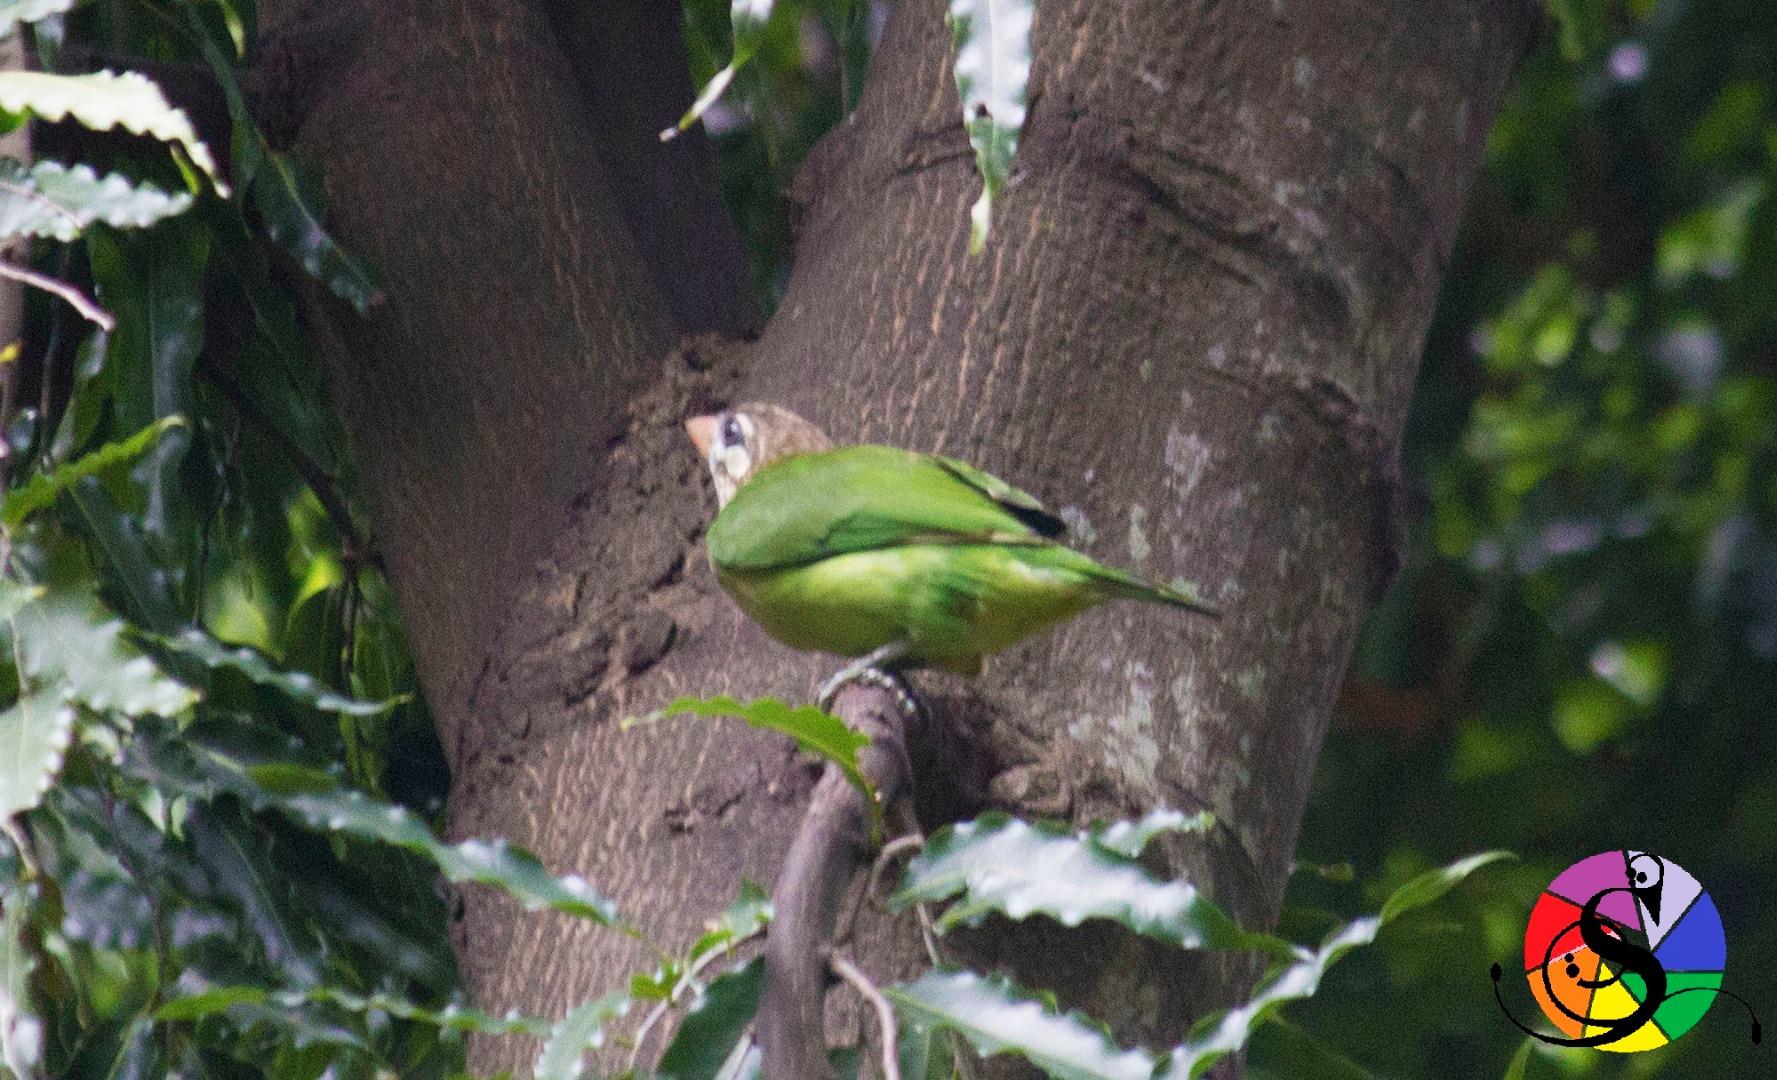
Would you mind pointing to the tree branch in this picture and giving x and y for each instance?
(830, 846)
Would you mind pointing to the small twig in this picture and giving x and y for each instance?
(76, 299)
(885, 1014)
(872, 885)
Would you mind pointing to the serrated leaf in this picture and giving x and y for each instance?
(1301, 977)
(104, 100)
(201, 769)
(997, 1018)
(1130, 838)
(993, 56)
(1430, 887)
(14, 13)
(581, 1030)
(300, 687)
(43, 487)
(72, 648)
(999, 864)
(290, 204)
(714, 1025)
(50, 199)
(816, 732)
(34, 734)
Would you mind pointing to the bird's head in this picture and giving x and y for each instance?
(739, 442)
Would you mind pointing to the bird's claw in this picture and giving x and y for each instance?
(869, 674)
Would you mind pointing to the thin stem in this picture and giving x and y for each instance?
(685, 981)
(76, 299)
(885, 1014)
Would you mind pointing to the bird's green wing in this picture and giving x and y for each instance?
(1021, 504)
(865, 498)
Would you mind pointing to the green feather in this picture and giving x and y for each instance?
(847, 550)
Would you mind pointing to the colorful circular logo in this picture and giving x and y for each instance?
(1624, 952)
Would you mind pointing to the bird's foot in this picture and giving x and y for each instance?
(873, 670)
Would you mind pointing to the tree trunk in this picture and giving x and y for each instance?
(1194, 329)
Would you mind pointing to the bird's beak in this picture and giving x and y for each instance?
(702, 430)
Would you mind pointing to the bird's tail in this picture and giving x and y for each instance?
(1118, 583)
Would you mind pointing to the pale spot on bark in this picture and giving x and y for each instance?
(1139, 548)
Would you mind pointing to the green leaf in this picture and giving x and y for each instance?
(34, 734)
(748, 19)
(452, 1017)
(72, 648)
(50, 199)
(210, 1002)
(816, 732)
(926, 1053)
(198, 767)
(291, 206)
(1430, 887)
(712, 1027)
(992, 39)
(43, 487)
(104, 100)
(1130, 838)
(997, 1017)
(16, 12)
(14, 596)
(581, 1030)
(1300, 978)
(154, 282)
(750, 913)
(21, 1031)
(999, 864)
(1519, 1067)
(300, 687)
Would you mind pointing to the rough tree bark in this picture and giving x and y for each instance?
(1195, 329)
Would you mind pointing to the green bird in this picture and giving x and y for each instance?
(900, 558)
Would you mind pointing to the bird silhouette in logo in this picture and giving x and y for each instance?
(1645, 877)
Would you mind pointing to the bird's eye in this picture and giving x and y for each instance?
(731, 433)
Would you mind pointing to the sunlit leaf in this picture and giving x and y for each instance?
(16, 12)
(750, 913)
(748, 19)
(72, 648)
(816, 732)
(453, 1017)
(998, 1018)
(43, 487)
(714, 1024)
(581, 1030)
(104, 100)
(1300, 977)
(299, 687)
(34, 734)
(1130, 838)
(49, 199)
(993, 56)
(1002, 865)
